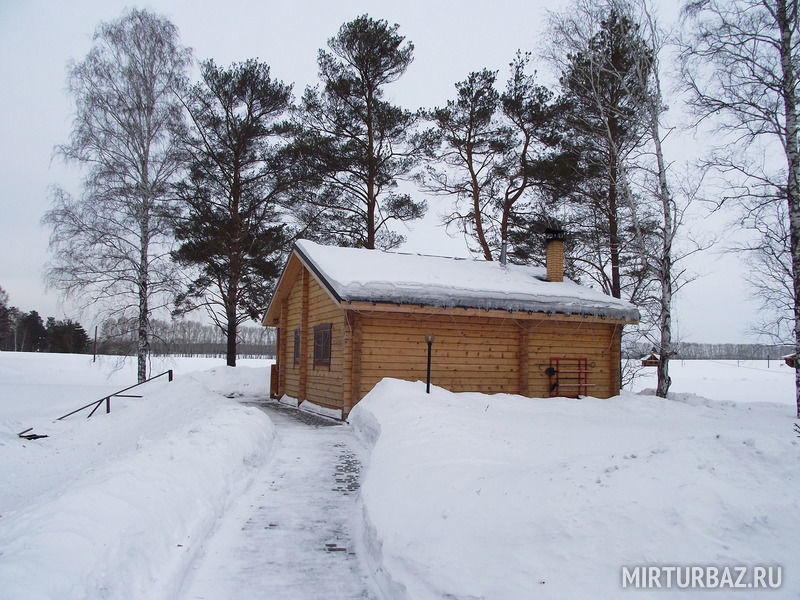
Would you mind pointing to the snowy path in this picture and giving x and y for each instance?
(289, 535)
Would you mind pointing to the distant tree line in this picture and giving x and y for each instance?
(697, 351)
(181, 337)
(22, 331)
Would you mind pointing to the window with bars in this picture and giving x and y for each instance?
(296, 347)
(322, 345)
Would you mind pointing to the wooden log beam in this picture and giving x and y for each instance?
(474, 312)
(306, 348)
(524, 375)
(615, 358)
(283, 346)
(355, 368)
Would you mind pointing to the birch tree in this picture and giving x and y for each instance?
(670, 215)
(740, 66)
(768, 255)
(658, 252)
(655, 208)
(110, 245)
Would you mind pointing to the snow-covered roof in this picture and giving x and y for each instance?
(359, 275)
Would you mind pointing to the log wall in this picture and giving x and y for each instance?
(324, 382)
(573, 339)
(487, 355)
(469, 354)
(307, 305)
(294, 305)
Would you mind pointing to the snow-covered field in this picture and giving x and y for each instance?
(735, 380)
(463, 495)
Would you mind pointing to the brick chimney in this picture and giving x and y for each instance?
(554, 254)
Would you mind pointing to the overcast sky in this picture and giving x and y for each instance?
(37, 39)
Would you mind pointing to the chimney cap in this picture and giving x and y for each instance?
(554, 234)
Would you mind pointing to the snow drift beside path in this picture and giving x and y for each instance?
(138, 491)
(476, 496)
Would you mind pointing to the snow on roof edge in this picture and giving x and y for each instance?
(569, 298)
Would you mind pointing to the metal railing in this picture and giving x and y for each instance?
(97, 403)
(119, 394)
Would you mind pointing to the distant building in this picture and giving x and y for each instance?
(349, 317)
(651, 360)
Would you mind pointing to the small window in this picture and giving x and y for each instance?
(322, 345)
(296, 347)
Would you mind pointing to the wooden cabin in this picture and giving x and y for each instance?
(349, 317)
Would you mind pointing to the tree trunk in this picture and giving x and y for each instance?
(665, 271)
(371, 174)
(613, 227)
(789, 81)
(230, 351)
(370, 218)
(142, 344)
(232, 300)
(476, 208)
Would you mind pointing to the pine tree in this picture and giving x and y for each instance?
(605, 94)
(66, 336)
(33, 334)
(472, 143)
(6, 335)
(231, 230)
(358, 143)
(497, 154)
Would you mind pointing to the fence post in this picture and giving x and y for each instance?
(108, 404)
(170, 374)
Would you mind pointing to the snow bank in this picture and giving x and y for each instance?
(476, 496)
(316, 409)
(133, 494)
